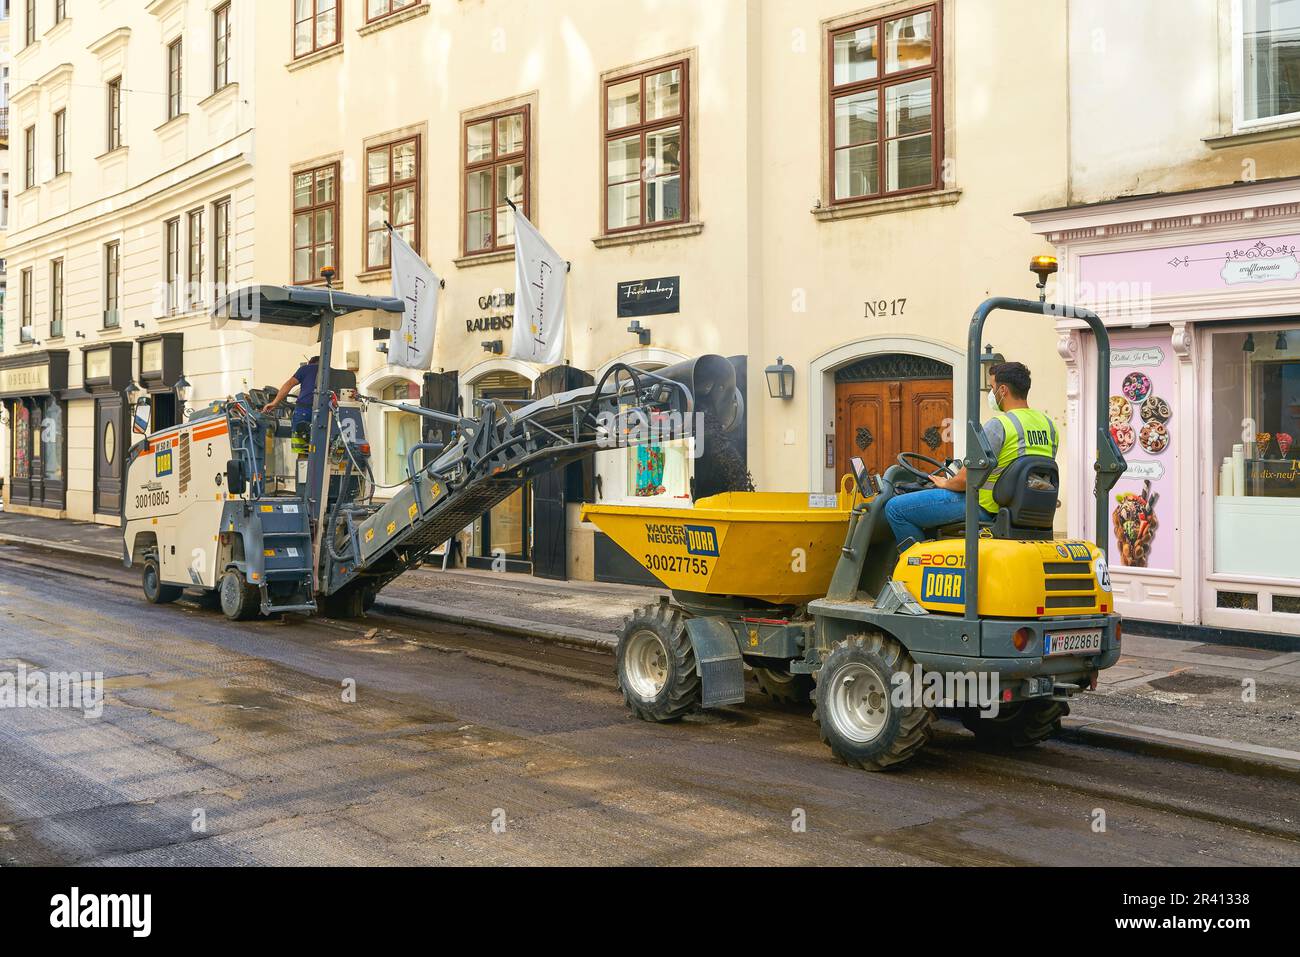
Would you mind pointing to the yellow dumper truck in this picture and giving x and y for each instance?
(997, 621)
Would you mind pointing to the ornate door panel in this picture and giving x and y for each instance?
(864, 425)
(927, 418)
(876, 420)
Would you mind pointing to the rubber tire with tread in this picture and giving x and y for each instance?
(682, 692)
(155, 592)
(240, 601)
(1022, 725)
(784, 687)
(907, 730)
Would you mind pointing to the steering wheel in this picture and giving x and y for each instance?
(904, 459)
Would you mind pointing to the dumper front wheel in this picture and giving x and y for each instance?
(784, 687)
(239, 600)
(1019, 725)
(860, 720)
(656, 665)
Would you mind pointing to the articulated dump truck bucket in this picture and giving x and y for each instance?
(778, 547)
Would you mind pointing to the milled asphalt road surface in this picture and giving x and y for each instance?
(454, 732)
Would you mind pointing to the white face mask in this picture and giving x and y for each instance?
(994, 403)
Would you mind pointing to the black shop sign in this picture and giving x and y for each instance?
(649, 297)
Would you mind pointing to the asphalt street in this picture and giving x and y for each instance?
(236, 744)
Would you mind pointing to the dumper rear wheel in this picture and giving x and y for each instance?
(1020, 725)
(656, 665)
(784, 687)
(239, 600)
(155, 592)
(854, 704)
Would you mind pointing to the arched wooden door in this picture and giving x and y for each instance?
(889, 404)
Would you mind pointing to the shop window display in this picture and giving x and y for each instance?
(1255, 419)
(52, 441)
(1146, 426)
(659, 470)
(22, 441)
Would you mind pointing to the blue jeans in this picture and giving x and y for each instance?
(910, 514)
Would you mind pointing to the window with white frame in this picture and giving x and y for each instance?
(1267, 61)
(172, 264)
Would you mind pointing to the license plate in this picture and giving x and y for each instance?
(1072, 642)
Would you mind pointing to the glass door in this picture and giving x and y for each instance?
(504, 533)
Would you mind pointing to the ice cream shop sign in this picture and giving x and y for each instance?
(1188, 270)
(1261, 263)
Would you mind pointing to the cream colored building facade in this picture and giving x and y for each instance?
(131, 207)
(1181, 226)
(830, 183)
(868, 297)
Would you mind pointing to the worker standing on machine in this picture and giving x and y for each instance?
(305, 380)
(1014, 430)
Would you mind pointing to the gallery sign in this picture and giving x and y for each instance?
(498, 307)
(649, 297)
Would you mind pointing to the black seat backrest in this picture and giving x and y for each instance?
(1027, 492)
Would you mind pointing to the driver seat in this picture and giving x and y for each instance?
(1027, 492)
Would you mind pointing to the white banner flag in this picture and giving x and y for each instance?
(415, 283)
(540, 274)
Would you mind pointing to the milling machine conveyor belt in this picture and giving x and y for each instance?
(494, 455)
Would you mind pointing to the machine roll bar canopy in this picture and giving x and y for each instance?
(306, 307)
(302, 305)
(981, 459)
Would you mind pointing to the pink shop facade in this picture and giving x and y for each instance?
(1200, 292)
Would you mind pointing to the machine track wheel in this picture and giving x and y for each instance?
(345, 604)
(209, 599)
(239, 600)
(784, 687)
(155, 592)
(656, 665)
(1020, 725)
(854, 707)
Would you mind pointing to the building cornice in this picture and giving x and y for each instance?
(110, 42)
(60, 74)
(161, 8)
(1169, 212)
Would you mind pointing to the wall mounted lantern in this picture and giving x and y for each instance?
(780, 379)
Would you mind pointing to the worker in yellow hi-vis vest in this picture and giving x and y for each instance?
(1014, 430)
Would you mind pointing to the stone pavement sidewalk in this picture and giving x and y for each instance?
(1183, 692)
